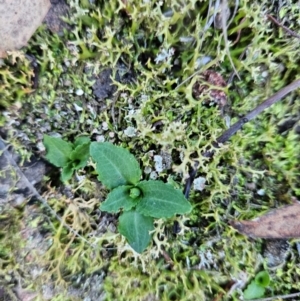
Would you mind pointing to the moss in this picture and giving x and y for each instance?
(152, 50)
(16, 76)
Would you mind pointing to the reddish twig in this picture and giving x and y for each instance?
(291, 32)
(239, 32)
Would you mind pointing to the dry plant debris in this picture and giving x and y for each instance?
(19, 20)
(215, 94)
(161, 43)
(279, 223)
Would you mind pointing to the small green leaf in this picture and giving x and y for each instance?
(115, 165)
(262, 279)
(253, 291)
(134, 193)
(58, 150)
(80, 155)
(135, 227)
(118, 198)
(67, 172)
(81, 140)
(161, 200)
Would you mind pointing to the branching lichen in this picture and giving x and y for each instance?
(151, 50)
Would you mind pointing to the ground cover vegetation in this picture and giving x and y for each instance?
(162, 80)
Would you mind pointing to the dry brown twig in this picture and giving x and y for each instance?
(238, 125)
(35, 193)
(224, 6)
(264, 105)
(291, 32)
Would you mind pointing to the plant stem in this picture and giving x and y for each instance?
(34, 192)
(238, 125)
(278, 297)
(251, 115)
(291, 32)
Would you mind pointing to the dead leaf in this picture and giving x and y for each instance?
(19, 20)
(215, 80)
(279, 223)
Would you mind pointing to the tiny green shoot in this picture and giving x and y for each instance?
(68, 156)
(256, 288)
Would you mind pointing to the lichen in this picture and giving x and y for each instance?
(152, 51)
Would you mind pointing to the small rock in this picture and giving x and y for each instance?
(79, 92)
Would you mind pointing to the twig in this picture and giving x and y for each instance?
(35, 193)
(188, 78)
(278, 297)
(291, 32)
(190, 180)
(238, 125)
(251, 115)
(236, 6)
(224, 4)
(239, 32)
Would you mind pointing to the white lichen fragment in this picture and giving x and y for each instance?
(79, 92)
(207, 260)
(186, 39)
(158, 163)
(199, 183)
(130, 131)
(261, 192)
(77, 107)
(40, 146)
(144, 98)
(104, 126)
(164, 55)
(153, 175)
(168, 13)
(202, 61)
(100, 138)
(147, 170)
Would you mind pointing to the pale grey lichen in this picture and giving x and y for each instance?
(153, 175)
(164, 55)
(199, 183)
(130, 131)
(158, 163)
